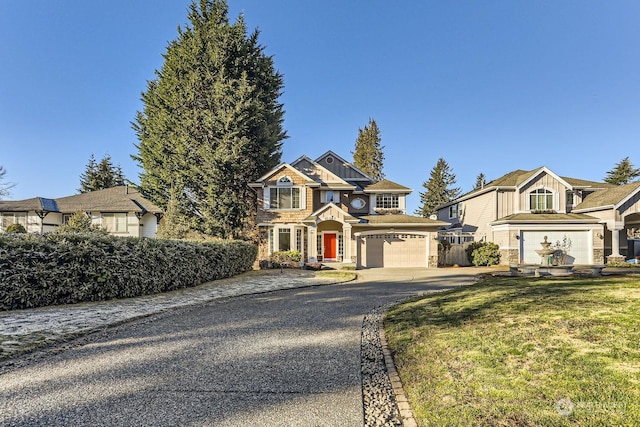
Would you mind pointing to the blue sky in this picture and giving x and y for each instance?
(490, 86)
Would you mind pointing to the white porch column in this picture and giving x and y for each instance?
(616, 227)
(312, 249)
(346, 241)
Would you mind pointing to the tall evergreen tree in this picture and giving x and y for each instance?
(481, 181)
(622, 173)
(438, 189)
(368, 155)
(211, 122)
(98, 176)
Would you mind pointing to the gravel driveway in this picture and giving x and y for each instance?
(281, 358)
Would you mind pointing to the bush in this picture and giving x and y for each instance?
(16, 228)
(58, 268)
(285, 259)
(483, 253)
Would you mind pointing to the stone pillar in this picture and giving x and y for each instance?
(346, 243)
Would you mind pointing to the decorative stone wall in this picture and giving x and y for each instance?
(598, 256)
(612, 258)
(509, 257)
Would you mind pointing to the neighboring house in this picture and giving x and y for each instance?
(329, 210)
(589, 221)
(120, 210)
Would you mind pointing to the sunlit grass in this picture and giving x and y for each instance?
(523, 352)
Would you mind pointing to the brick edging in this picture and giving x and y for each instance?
(403, 404)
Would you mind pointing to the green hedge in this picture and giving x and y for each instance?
(37, 271)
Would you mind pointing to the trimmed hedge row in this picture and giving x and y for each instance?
(37, 271)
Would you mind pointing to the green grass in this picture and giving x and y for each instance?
(522, 352)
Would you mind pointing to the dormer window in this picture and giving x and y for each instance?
(453, 211)
(540, 200)
(387, 201)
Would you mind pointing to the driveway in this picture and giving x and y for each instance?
(282, 358)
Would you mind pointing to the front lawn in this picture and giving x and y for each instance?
(522, 352)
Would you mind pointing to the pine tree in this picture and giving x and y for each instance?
(174, 224)
(368, 155)
(481, 181)
(98, 176)
(622, 173)
(437, 189)
(211, 122)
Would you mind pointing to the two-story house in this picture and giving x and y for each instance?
(122, 211)
(329, 210)
(589, 221)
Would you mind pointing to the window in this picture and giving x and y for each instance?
(7, 219)
(65, 218)
(299, 240)
(540, 199)
(284, 239)
(285, 198)
(387, 201)
(358, 203)
(272, 241)
(453, 211)
(115, 222)
(331, 196)
(570, 198)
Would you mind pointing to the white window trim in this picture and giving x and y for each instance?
(555, 200)
(274, 237)
(267, 198)
(115, 222)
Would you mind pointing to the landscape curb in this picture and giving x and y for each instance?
(398, 390)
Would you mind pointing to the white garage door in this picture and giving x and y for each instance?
(576, 244)
(395, 250)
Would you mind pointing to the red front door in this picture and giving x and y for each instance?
(330, 246)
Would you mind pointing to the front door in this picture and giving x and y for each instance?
(330, 246)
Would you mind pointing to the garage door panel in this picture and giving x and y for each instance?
(576, 243)
(396, 250)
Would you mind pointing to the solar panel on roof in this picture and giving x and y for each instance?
(48, 205)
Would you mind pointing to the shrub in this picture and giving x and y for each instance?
(285, 259)
(483, 253)
(16, 228)
(80, 222)
(59, 268)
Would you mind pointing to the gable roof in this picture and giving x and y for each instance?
(612, 197)
(266, 176)
(355, 173)
(320, 173)
(385, 186)
(36, 204)
(116, 199)
(346, 216)
(534, 173)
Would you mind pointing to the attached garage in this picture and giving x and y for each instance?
(394, 250)
(576, 244)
